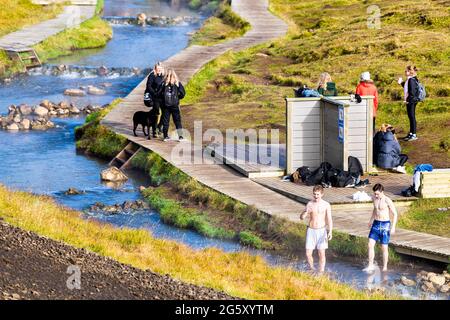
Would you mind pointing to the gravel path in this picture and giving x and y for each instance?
(34, 267)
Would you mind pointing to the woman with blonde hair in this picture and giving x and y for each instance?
(171, 91)
(387, 151)
(326, 86)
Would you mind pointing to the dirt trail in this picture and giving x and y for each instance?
(34, 267)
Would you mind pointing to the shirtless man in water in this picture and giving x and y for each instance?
(380, 224)
(317, 236)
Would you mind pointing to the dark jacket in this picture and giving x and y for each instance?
(178, 91)
(153, 83)
(388, 150)
(413, 90)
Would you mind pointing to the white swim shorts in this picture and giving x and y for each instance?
(316, 238)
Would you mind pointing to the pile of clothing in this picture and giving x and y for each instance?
(327, 176)
(413, 190)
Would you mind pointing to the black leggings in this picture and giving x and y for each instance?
(402, 159)
(411, 109)
(176, 116)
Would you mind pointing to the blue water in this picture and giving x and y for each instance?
(47, 162)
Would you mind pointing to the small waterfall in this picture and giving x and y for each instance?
(86, 72)
(151, 21)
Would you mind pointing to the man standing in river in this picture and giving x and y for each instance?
(380, 224)
(317, 236)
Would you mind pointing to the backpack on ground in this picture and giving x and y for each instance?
(300, 174)
(171, 96)
(355, 167)
(318, 175)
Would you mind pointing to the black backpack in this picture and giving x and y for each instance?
(342, 179)
(354, 167)
(171, 96)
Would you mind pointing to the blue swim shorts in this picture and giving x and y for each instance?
(380, 231)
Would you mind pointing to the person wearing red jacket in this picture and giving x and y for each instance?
(367, 88)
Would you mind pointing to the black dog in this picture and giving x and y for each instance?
(146, 120)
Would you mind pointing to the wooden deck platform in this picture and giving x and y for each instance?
(29, 36)
(265, 26)
(392, 182)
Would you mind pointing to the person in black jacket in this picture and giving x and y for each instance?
(410, 88)
(171, 91)
(151, 99)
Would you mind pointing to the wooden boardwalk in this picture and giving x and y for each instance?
(224, 179)
(29, 36)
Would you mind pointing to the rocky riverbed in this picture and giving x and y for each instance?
(429, 282)
(34, 267)
(126, 206)
(25, 117)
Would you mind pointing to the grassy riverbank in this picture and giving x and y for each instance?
(424, 216)
(247, 89)
(224, 25)
(237, 274)
(96, 139)
(92, 33)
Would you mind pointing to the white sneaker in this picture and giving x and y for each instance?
(166, 139)
(401, 169)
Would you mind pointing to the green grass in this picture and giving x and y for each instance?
(97, 139)
(99, 7)
(16, 14)
(172, 212)
(238, 274)
(197, 85)
(92, 33)
(424, 216)
(224, 25)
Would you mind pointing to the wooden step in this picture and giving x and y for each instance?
(123, 158)
(26, 56)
